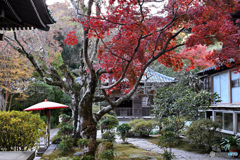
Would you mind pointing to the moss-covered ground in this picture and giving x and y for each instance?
(131, 152)
(57, 154)
(122, 152)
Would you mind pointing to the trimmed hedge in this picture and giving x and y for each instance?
(109, 122)
(202, 133)
(141, 127)
(20, 131)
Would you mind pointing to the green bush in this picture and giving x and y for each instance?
(142, 128)
(123, 129)
(167, 140)
(66, 129)
(83, 143)
(167, 155)
(202, 133)
(154, 132)
(109, 136)
(87, 157)
(65, 118)
(20, 130)
(174, 124)
(230, 142)
(98, 141)
(134, 122)
(109, 122)
(66, 145)
(56, 139)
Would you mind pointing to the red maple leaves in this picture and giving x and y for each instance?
(71, 39)
(136, 38)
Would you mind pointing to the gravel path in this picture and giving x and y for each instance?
(180, 154)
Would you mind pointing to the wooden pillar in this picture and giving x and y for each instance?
(1, 36)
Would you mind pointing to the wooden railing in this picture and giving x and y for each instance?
(123, 111)
(146, 111)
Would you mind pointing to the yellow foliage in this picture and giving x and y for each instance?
(20, 131)
(15, 73)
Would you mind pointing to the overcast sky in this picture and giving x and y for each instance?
(49, 2)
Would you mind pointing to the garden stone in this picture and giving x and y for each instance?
(83, 152)
(102, 147)
(78, 154)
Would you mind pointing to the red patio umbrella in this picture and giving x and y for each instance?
(46, 106)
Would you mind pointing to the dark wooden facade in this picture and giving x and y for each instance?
(141, 103)
(139, 106)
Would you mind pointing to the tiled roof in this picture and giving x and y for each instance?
(152, 76)
(24, 14)
(212, 69)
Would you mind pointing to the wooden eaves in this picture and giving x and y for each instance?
(24, 14)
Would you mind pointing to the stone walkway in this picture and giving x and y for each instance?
(180, 154)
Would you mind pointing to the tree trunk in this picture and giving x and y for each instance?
(87, 123)
(75, 124)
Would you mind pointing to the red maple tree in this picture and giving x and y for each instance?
(138, 38)
(132, 37)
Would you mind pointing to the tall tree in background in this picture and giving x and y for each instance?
(15, 75)
(64, 14)
(121, 42)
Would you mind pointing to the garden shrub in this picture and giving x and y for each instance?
(142, 128)
(87, 157)
(98, 141)
(202, 133)
(167, 155)
(167, 140)
(83, 143)
(65, 128)
(56, 139)
(20, 130)
(153, 132)
(109, 122)
(134, 122)
(65, 118)
(112, 113)
(174, 124)
(123, 129)
(109, 136)
(66, 145)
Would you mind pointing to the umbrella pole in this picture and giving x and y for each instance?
(48, 128)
